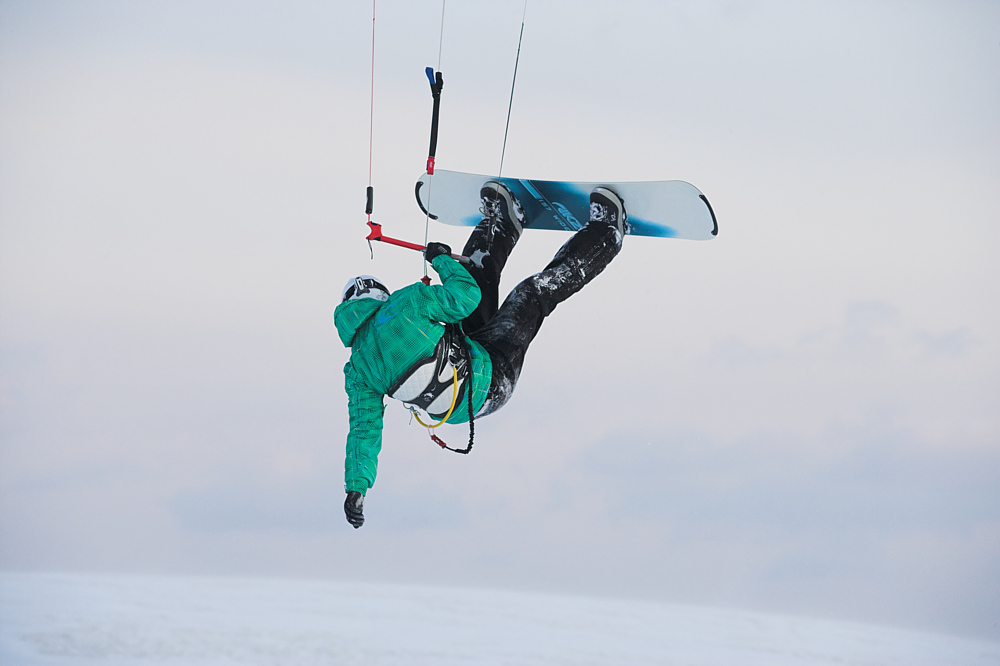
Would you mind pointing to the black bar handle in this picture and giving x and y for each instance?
(437, 83)
(370, 192)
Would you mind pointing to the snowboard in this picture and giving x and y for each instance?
(659, 208)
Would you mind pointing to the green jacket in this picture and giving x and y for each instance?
(387, 339)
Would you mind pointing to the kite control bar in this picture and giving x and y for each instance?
(376, 235)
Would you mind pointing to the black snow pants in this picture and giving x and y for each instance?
(506, 331)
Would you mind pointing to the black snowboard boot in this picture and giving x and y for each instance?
(607, 207)
(500, 206)
(488, 247)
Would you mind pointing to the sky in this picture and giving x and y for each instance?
(799, 416)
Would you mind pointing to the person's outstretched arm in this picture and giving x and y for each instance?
(364, 441)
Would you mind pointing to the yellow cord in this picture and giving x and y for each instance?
(454, 399)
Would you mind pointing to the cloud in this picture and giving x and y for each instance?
(865, 324)
(866, 477)
(954, 344)
(840, 519)
(242, 503)
(250, 503)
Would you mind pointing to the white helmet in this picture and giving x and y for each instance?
(364, 286)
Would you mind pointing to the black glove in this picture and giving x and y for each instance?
(436, 250)
(354, 506)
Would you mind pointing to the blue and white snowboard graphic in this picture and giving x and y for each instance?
(660, 208)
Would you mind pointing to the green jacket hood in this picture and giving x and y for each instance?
(352, 315)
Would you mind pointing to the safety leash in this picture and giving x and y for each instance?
(472, 416)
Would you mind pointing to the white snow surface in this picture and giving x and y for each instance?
(113, 619)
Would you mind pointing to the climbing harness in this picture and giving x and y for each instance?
(444, 419)
(425, 385)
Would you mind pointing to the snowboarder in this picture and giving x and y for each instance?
(436, 346)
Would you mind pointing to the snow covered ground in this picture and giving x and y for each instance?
(94, 619)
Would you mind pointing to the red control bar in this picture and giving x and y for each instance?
(376, 235)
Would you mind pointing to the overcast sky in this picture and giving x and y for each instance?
(799, 416)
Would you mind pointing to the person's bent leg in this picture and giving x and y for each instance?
(507, 335)
(488, 248)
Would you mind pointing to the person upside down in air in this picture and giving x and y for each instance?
(451, 349)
